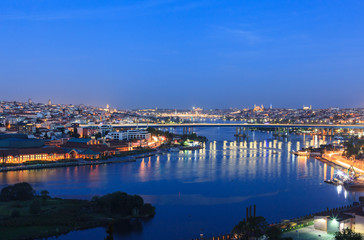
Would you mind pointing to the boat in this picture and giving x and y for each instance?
(174, 149)
(354, 185)
(333, 181)
(192, 148)
(301, 153)
(339, 138)
(315, 154)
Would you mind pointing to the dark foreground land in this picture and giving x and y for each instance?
(40, 216)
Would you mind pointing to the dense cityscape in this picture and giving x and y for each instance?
(80, 131)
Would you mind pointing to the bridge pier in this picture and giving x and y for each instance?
(245, 133)
(240, 133)
(275, 132)
(187, 130)
(281, 132)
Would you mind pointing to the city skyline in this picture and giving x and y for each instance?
(179, 54)
(193, 108)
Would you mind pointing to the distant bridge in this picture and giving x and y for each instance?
(242, 125)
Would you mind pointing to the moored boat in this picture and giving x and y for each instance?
(301, 153)
(174, 149)
(354, 185)
(334, 181)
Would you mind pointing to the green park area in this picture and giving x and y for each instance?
(27, 215)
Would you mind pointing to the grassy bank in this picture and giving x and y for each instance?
(56, 216)
(42, 216)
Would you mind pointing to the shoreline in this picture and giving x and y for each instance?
(81, 162)
(339, 161)
(78, 162)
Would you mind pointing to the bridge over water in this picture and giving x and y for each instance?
(242, 125)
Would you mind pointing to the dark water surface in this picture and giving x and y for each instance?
(203, 191)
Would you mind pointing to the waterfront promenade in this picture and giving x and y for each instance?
(76, 162)
(337, 159)
(308, 233)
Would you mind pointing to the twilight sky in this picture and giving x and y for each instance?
(181, 53)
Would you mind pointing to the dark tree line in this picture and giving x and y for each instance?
(122, 204)
(354, 148)
(18, 191)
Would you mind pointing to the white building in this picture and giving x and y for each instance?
(138, 134)
(352, 218)
(129, 135)
(117, 135)
(105, 128)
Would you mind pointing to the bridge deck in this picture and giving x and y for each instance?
(247, 125)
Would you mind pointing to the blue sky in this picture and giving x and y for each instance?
(179, 54)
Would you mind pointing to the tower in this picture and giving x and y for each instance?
(49, 102)
(29, 101)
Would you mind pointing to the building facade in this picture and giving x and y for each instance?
(129, 135)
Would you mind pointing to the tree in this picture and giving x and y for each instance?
(354, 148)
(254, 227)
(273, 233)
(122, 204)
(44, 194)
(98, 135)
(18, 191)
(147, 209)
(34, 207)
(348, 234)
(110, 232)
(15, 213)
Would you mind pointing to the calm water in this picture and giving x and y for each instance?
(204, 191)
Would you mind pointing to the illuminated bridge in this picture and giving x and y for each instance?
(242, 125)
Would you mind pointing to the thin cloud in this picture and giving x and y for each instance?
(186, 7)
(238, 34)
(98, 12)
(249, 36)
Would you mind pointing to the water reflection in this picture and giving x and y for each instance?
(127, 228)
